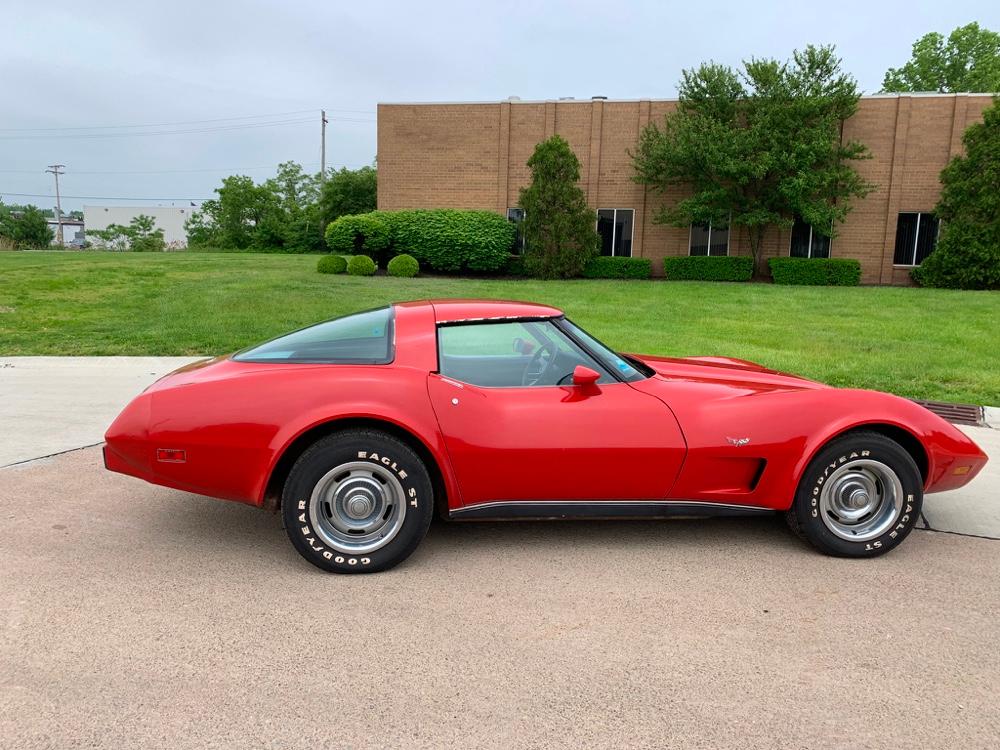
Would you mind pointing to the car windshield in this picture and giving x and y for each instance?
(363, 338)
(627, 369)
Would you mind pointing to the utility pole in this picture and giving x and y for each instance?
(322, 147)
(54, 170)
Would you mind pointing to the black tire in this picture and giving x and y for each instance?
(330, 480)
(814, 516)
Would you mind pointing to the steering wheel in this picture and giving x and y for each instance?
(539, 365)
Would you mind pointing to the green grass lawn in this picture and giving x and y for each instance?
(915, 342)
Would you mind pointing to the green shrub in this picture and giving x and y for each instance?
(332, 264)
(360, 265)
(446, 240)
(708, 268)
(405, 266)
(606, 267)
(515, 266)
(450, 240)
(369, 233)
(966, 257)
(816, 271)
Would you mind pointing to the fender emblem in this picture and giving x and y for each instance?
(738, 442)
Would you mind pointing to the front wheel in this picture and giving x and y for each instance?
(859, 497)
(357, 501)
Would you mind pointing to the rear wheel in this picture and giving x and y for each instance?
(859, 497)
(357, 501)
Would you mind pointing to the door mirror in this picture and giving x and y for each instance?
(585, 376)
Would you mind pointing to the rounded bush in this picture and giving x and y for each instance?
(340, 234)
(332, 264)
(361, 265)
(405, 266)
(359, 233)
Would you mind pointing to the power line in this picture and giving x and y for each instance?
(180, 122)
(99, 197)
(102, 136)
(228, 170)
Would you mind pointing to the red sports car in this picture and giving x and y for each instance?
(360, 428)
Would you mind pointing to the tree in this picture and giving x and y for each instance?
(141, 235)
(281, 214)
(559, 228)
(758, 148)
(968, 61)
(298, 226)
(25, 227)
(349, 191)
(231, 220)
(967, 255)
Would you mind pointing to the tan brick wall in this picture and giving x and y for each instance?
(474, 156)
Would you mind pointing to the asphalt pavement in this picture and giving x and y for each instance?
(138, 616)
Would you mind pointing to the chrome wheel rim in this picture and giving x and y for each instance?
(861, 500)
(357, 507)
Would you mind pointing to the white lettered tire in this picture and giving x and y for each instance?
(859, 497)
(357, 501)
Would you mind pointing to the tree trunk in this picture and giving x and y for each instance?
(756, 235)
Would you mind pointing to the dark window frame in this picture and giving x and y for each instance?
(910, 254)
(614, 231)
(708, 246)
(516, 220)
(810, 253)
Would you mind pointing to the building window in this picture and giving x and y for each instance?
(615, 227)
(806, 243)
(916, 236)
(516, 216)
(709, 239)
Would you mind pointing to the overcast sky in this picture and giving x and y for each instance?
(173, 66)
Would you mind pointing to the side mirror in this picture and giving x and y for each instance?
(585, 376)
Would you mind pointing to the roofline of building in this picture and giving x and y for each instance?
(118, 205)
(571, 100)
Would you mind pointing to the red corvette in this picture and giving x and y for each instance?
(359, 428)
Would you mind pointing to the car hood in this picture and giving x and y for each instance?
(726, 372)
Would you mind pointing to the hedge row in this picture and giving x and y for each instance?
(606, 267)
(816, 271)
(708, 268)
(444, 240)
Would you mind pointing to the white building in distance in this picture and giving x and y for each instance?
(168, 218)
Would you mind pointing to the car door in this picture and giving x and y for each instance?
(516, 434)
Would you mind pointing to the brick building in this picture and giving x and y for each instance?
(473, 155)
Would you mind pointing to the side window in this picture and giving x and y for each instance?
(364, 338)
(511, 355)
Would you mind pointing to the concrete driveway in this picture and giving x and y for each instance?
(137, 616)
